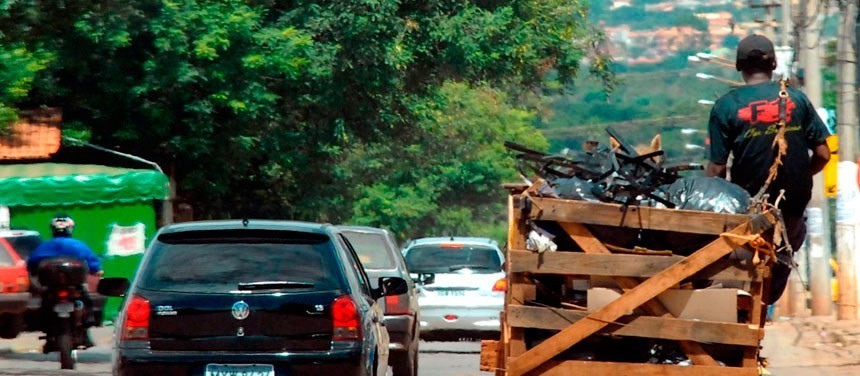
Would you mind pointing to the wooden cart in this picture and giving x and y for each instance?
(641, 276)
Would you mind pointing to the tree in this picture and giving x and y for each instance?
(440, 185)
(260, 107)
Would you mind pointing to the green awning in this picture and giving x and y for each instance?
(57, 184)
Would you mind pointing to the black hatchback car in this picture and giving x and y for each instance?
(256, 298)
(381, 258)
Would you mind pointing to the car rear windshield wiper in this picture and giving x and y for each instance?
(273, 285)
(469, 266)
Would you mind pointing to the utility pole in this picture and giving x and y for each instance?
(787, 25)
(768, 24)
(846, 126)
(846, 62)
(818, 238)
(787, 306)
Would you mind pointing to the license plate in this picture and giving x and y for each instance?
(64, 308)
(451, 293)
(240, 370)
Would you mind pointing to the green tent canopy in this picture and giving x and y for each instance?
(58, 184)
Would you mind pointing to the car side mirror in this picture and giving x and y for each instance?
(113, 286)
(391, 286)
(425, 278)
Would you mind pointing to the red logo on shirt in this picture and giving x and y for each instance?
(765, 111)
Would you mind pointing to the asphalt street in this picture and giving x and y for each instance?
(22, 357)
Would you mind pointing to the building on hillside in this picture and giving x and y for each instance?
(652, 46)
(617, 4)
(666, 6)
(720, 25)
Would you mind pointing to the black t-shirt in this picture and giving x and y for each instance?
(745, 122)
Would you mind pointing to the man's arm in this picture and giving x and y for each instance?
(820, 157)
(721, 141)
(37, 256)
(715, 169)
(94, 264)
(90, 257)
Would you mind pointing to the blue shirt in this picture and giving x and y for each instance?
(64, 246)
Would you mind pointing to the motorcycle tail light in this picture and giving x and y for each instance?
(136, 323)
(63, 294)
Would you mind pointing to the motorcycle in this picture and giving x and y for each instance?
(63, 307)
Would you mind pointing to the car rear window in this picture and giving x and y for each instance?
(216, 263)
(5, 257)
(372, 249)
(449, 258)
(24, 245)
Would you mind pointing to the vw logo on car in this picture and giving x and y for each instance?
(241, 310)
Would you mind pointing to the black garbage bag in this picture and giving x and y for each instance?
(575, 189)
(709, 194)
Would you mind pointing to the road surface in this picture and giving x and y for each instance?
(22, 357)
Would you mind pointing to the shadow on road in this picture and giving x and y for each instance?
(83, 356)
(449, 347)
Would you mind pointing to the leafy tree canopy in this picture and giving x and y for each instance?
(387, 113)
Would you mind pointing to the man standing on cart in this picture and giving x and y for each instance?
(746, 121)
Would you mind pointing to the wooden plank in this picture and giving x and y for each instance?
(582, 367)
(640, 326)
(757, 313)
(586, 240)
(519, 289)
(610, 265)
(640, 294)
(688, 221)
(489, 355)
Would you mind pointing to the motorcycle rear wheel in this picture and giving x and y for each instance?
(67, 355)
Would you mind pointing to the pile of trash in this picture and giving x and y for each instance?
(621, 175)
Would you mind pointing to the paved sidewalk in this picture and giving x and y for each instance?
(812, 346)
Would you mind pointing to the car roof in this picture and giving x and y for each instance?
(374, 230)
(454, 239)
(251, 224)
(16, 233)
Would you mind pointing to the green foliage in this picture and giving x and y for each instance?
(18, 67)
(637, 110)
(376, 112)
(731, 41)
(639, 19)
(447, 169)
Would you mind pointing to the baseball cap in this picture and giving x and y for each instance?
(755, 51)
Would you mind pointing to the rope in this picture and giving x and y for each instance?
(758, 244)
(779, 142)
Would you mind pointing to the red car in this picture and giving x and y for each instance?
(14, 291)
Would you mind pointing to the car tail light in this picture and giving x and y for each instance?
(136, 324)
(345, 320)
(396, 305)
(501, 285)
(23, 283)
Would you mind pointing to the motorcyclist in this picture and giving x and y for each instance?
(63, 245)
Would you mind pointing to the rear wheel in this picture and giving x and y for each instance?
(406, 363)
(67, 356)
